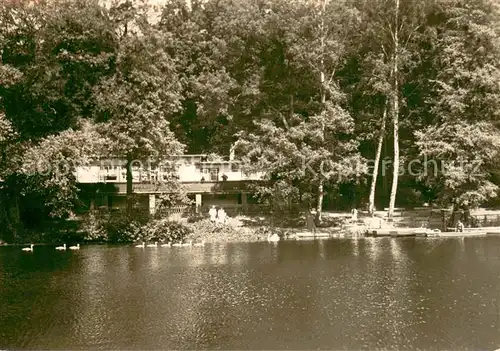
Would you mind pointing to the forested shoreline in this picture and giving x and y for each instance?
(381, 102)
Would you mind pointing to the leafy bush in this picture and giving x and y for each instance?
(165, 231)
(205, 230)
(195, 217)
(206, 226)
(328, 222)
(93, 226)
(112, 227)
(263, 232)
(121, 229)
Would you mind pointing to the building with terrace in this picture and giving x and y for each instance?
(207, 181)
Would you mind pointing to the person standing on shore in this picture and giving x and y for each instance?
(213, 214)
(221, 216)
(311, 226)
(354, 215)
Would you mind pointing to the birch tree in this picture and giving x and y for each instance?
(395, 108)
(392, 29)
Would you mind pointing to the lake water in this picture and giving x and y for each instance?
(429, 294)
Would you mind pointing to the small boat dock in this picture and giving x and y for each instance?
(461, 234)
(317, 235)
(424, 232)
(398, 232)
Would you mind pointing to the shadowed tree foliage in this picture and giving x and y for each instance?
(462, 130)
(134, 104)
(309, 90)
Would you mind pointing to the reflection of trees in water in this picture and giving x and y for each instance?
(112, 296)
(217, 296)
(216, 255)
(461, 242)
(383, 307)
(398, 294)
(321, 248)
(395, 294)
(396, 250)
(35, 289)
(355, 246)
(257, 291)
(217, 292)
(372, 248)
(153, 259)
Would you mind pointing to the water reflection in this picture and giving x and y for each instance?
(396, 252)
(96, 264)
(461, 242)
(355, 246)
(330, 294)
(373, 248)
(154, 258)
(321, 245)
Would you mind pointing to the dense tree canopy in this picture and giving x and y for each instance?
(312, 92)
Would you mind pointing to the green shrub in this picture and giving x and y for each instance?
(206, 226)
(123, 230)
(114, 227)
(163, 230)
(93, 226)
(195, 217)
(328, 222)
(263, 232)
(55, 231)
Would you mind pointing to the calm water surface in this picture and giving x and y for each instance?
(429, 294)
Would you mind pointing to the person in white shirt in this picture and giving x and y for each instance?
(221, 216)
(212, 213)
(354, 215)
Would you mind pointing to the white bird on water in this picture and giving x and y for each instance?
(153, 245)
(273, 238)
(141, 245)
(61, 247)
(28, 248)
(202, 243)
(169, 244)
(77, 247)
(189, 243)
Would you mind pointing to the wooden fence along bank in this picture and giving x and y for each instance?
(444, 218)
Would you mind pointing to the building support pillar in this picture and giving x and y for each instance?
(152, 204)
(244, 200)
(198, 203)
(105, 200)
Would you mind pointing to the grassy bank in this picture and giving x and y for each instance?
(119, 229)
(239, 229)
(257, 228)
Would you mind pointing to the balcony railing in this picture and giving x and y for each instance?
(85, 175)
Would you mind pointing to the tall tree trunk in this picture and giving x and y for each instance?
(395, 116)
(319, 203)
(319, 206)
(371, 204)
(130, 191)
